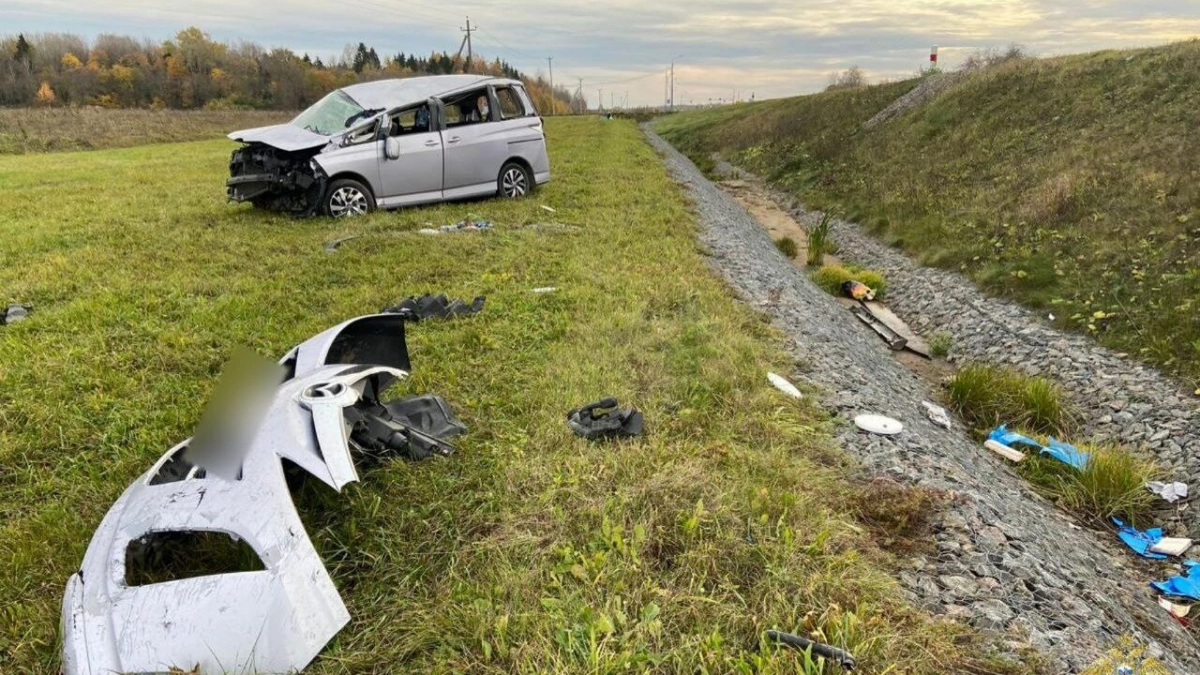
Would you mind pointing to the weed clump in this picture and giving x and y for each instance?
(787, 246)
(831, 277)
(987, 395)
(818, 241)
(1112, 483)
(940, 344)
(898, 515)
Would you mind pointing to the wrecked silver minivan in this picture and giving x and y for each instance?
(392, 143)
(203, 571)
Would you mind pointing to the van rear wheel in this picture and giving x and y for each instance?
(515, 181)
(347, 197)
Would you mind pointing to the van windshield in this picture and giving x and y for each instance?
(330, 115)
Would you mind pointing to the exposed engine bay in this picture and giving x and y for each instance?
(280, 180)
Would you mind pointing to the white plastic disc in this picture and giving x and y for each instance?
(878, 424)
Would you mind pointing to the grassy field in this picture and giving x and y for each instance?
(25, 130)
(528, 551)
(1067, 183)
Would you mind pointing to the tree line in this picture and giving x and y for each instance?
(192, 71)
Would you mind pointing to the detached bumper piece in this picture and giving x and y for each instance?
(603, 419)
(262, 601)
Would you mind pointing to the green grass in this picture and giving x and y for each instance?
(986, 395)
(530, 550)
(1066, 183)
(1113, 483)
(787, 246)
(831, 277)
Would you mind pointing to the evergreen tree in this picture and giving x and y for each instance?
(373, 60)
(360, 58)
(24, 51)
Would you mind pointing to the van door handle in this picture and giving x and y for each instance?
(431, 144)
(454, 139)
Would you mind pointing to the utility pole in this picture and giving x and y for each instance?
(611, 95)
(579, 96)
(600, 100)
(468, 30)
(550, 62)
(672, 85)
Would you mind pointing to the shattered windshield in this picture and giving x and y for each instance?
(330, 115)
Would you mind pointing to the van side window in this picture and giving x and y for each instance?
(411, 121)
(509, 103)
(469, 108)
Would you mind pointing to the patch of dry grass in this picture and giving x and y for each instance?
(28, 130)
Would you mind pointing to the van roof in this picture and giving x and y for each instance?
(403, 91)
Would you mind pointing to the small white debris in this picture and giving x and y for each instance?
(1172, 546)
(545, 289)
(936, 414)
(1172, 492)
(1007, 452)
(1050, 316)
(783, 385)
(548, 208)
(428, 230)
(878, 424)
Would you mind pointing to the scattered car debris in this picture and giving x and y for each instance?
(1172, 492)
(894, 340)
(1181, 586)
(857, 290)
(551, 209)
(545, 289)
(15, 313)
(1177, 611)
(428, 306)
(603, 419)
(1063, 452)
(1007, 452)
(878, 424)
(337, 243)
(119, 617)
(1175, 546)
(783, 385)
(1140, 541)
(937, 414)
(838, 656)
(468, 223)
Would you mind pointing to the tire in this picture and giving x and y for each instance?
(347, 197)
(514, 181)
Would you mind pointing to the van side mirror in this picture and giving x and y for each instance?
(391, 147)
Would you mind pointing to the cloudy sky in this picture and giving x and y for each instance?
(767, 48)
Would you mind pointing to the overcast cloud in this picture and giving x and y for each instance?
(768, 48)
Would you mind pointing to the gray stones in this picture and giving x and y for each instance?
(1003, 559)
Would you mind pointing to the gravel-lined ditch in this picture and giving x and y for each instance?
(1006, 560)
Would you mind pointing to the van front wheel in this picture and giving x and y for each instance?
(348, 197)
(515, 181)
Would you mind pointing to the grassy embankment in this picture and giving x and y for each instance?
(1068, 183)
(528, 551)
(26, 130)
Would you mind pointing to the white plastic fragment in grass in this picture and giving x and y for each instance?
(550, 209)
(545, 289)
(1007, 452)
(783, 385)
(878, 424)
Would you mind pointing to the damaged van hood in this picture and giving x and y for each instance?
(283, 136)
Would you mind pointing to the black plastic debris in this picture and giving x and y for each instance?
(603, 419)
(434, 306)
(416, 427)
(838, 656)
(335, 244)
(14, 313)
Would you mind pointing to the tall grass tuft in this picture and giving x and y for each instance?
(986, 395)
(818, 240)
(1113, 483)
